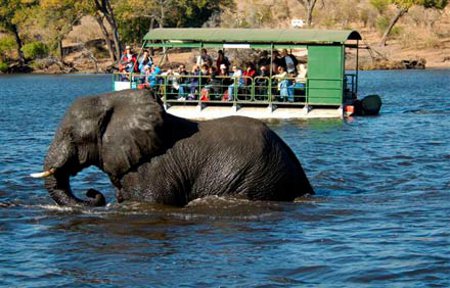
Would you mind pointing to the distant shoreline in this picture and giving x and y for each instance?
(433, 68)
(366, 63)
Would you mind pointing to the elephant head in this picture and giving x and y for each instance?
(114, 132)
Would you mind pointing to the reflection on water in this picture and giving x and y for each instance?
(380, 216)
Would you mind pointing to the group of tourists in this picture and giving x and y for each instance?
(129, 62)
(220, 79)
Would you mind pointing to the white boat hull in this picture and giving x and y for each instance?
(121, 85)
(211, 112)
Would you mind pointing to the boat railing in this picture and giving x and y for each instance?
(216, 89)
(125, 80)
(259, 90)
(350, 86)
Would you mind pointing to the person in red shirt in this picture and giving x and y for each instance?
(249, 73)
(128, 61)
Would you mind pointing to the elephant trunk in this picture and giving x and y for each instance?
(61, 162)
(59, 189)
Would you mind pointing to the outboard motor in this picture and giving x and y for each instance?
(369, 105)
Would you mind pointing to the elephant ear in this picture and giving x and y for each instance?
(131, 130)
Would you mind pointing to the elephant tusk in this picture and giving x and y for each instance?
(44, 174)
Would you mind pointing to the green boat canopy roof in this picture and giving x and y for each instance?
(266, 36)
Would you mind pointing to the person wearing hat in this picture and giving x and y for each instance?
(128, 61)
(223, 76)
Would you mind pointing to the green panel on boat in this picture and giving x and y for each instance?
(325, 74)
(325, 97)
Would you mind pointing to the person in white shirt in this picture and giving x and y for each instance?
(238, 82)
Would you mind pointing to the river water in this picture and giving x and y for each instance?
(381, 216)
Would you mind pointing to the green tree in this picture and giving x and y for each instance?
(194, 13)
(402, 8)
(35, 50)
(151, 12)
(59, 16)
(12, 12)
(73, 10)
(172, 13)
(136, 17)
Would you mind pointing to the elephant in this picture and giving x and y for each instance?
(153, 156)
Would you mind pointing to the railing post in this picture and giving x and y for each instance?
(270, 76)
(357, 67)
(130, 76)
(235, 91)
(162, 87)
(307, 93)
(164, 92)
(252, 90)
(270, 90)
(199, 88)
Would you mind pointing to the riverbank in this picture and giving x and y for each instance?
(433, 55)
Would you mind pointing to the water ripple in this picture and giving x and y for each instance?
(379, 218)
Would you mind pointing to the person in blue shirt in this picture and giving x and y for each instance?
(144, 61)
(153, 78)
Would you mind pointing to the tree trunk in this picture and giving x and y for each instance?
(106, 36)
(152, 25)
(309, 6)
(394, 20)
(60, 49)
(19, 44)
(309, 11)
(104, 7)
(165, 57)
(162, 15)
(115, 29)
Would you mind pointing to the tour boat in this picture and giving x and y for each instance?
(326, 89)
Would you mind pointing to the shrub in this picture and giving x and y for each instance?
(380, 5)
(35, 50)
(39, 64)
(432, 41)
(409, 38)
(383, 23)
(7, 45)
(3, 67)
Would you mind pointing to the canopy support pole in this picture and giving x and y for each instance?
(357, 66)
